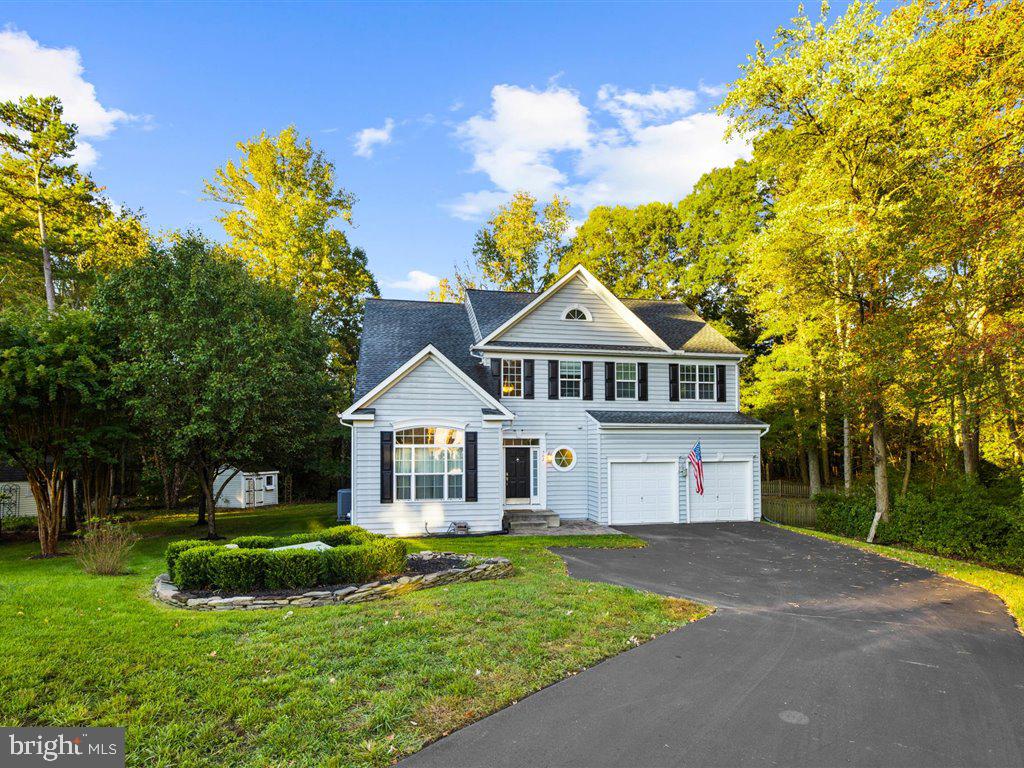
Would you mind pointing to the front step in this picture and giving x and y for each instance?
(531, 520)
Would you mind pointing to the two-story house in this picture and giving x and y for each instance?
(570, 403)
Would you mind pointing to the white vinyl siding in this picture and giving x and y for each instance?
(235, 494)
(545, 323)
(426, 394)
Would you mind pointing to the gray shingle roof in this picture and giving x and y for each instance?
(549, 345)
(395, 330)
(677, 325)
(682, 418)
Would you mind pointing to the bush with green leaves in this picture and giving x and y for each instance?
(192, 568)
(175, 548)
(964, 520)
(254, 564)
(239, 570)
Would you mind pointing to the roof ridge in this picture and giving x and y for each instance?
(419, 301)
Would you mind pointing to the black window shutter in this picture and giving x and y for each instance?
(387, 453)
(528, 379)
(552, 379)
(673, 382)
(496, 375)
(609, 381)
(471, 472)
(720, 382)
(641, 381)
(588, 380)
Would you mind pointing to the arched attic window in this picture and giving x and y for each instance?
(576, 312)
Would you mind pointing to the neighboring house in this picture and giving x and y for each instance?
(571, 401)
(16, 497)
(246, 489)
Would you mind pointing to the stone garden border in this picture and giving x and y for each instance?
(474, 569)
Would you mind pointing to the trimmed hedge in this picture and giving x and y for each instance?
(358, 556)
(962, 520)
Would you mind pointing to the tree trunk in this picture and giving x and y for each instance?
(1012, 422)
(813, 475)
(826, 473)
(69, 506)
(51, 295)
(880, 460)
(969, 438)
(910, 452)
(847, 455)
(208, 510)
(48, 491)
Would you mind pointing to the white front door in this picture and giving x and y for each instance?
(727, 495)
(643, 492)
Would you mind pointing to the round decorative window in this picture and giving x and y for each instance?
(564, 458)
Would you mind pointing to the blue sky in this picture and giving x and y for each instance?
(461, 104)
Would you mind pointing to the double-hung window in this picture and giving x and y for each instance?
(428, 464)
(570, 379)
(511, 378)
(625, 381)
(697, 382)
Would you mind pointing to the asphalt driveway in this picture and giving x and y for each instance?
(818, 655)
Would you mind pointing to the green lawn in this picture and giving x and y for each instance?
(331, 686)
(1009, 587)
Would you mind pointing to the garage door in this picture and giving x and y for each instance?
(643, 492)
(726, 493)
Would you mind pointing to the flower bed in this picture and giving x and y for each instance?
(420, 574)
(257, 563)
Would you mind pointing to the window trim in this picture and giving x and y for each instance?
(412, 474)
(572, 452)
(635, 381)
(696, 382)
(561, 378)
(269, 482)
(522, 377)
(587, 317)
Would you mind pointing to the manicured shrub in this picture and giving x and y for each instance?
(294, 569)
(239, 570)
(348, 565)
(340, 535)
(192, 568)
(387, 556)
(255, 542)
(175, 548)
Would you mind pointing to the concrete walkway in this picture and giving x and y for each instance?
(818, 655)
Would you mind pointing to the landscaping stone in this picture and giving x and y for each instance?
(316, 546)
(472, 568)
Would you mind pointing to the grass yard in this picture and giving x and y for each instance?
(331, 686)
(1009, 587)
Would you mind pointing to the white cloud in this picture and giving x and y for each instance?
(633, 109)
(416, 281)
(546, 142)
(26, 67)
(714, 91)
(367, 139)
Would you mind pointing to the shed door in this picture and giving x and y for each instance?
(643, 492)
(726, 493)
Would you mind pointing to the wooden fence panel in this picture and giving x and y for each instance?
(790, 511)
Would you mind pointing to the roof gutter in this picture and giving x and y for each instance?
(486, 348)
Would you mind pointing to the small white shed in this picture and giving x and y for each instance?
(247, 489)
(16, 499)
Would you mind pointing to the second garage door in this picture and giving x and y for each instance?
(726, 493)
(643, 492)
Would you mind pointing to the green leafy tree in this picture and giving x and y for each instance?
(218, 367)
(57, 407)
(281, 209)
(52, 214)
(519, 249)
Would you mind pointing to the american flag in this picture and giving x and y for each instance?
(698, 467)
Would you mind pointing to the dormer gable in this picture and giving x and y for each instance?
(576, 309)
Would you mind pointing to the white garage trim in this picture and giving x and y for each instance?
(720, 459)
(645, 459)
